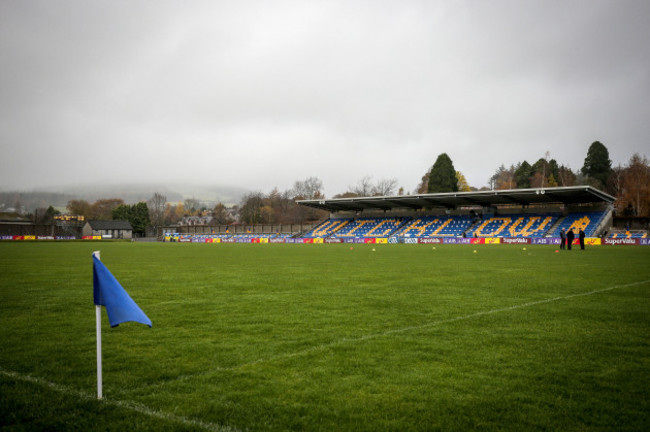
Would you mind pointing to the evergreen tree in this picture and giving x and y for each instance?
(137, 215)
(121, 212)
(597, 164)
(50, 213)
(554, 170)
(522, 175)
(442, 177)
(540, 171)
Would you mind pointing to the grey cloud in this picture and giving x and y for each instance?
(261, 94)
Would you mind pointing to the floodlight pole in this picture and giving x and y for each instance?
(98, 324)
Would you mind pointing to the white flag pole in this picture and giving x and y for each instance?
(98, 321)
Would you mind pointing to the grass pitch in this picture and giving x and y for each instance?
(328, 337)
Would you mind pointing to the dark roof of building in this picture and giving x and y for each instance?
(13, 217)
(110, 225)
(451, 200)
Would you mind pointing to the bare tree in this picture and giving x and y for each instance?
(363, 187)
(310, 188)
(156, 206)
(615, 181)
(385, 187)
(220, 215)
(636, 189)
(192, 205)
(102, 209)
(545, 166)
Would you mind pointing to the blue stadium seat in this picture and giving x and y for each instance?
(516, 225)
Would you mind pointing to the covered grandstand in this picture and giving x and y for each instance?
(528, 214)
(566, 196)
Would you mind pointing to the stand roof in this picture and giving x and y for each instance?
(452, 200)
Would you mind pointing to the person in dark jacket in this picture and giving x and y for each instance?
(581, 236)
(562, 239)
(569, 238)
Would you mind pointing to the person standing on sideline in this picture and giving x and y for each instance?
(581, 236)
(562, 239)
(569, 238)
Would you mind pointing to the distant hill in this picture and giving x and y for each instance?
(58, 196)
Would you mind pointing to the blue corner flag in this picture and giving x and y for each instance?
(109, 293)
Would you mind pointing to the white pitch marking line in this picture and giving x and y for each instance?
(394, 331)
(143, 409)
(133, 406)
(433, 324)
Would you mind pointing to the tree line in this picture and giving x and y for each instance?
(629, 183)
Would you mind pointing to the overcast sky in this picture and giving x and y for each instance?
(260, 94)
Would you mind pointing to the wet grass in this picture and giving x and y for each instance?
(325, 337)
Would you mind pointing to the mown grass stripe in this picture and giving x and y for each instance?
(569, 364)
(396, 331)
(433, 324)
